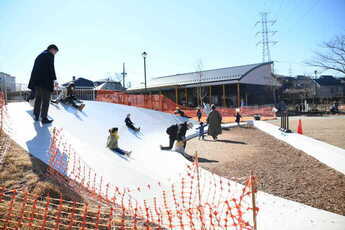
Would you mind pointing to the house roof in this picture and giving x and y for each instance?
(110, 85)
(213, 75)
(81, 82)
(328, 80)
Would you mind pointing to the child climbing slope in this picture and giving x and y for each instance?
(112, 142)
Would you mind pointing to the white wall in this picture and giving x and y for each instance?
(260, 76)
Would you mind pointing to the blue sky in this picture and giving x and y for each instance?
(96, 37)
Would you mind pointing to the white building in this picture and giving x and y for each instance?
(7, 82)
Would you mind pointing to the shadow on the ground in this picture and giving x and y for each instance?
(72, 110)
(200, 159)
(228, 141)
(137, 134)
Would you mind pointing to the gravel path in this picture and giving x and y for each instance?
(281, 169)
(330, 129)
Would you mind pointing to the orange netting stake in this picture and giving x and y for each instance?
(147, 215)
(135, 217)
(10, 207)
(110, 219)
(45, 213)
(253, 190)
(156, 210)
(190, 215)
(34, 206)
(71, 219)
(19, 223)
(59, 212)
(98, 216)
(84, 217)
(123, 211)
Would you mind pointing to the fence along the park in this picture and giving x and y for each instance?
(198, 199)
(164, 104)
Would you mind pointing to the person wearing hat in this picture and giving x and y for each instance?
(42, 82)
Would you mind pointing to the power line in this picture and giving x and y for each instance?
(266, 34)
(300, 19)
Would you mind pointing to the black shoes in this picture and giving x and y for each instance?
(35, 118)
(46, 121)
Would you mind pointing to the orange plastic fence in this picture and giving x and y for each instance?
(164, 104)
(197, 200)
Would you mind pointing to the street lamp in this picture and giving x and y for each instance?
(144, 54)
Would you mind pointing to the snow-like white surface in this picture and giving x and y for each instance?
(330, 155)
(88, 130)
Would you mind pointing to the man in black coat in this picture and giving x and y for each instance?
(42, 82)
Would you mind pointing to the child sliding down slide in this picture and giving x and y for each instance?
(67, 96)
(130, 124)
(112, 142)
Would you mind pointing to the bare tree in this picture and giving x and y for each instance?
(201, 92)
(333, 58)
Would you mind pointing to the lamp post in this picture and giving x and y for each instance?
(144, 54)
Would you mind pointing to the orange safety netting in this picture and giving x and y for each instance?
(164, 104)
(197, 199)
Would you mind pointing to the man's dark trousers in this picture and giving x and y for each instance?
(171, 143)
(42, 102)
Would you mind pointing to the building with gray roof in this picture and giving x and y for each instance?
(252, 84)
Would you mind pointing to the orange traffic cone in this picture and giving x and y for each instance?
(299, 127)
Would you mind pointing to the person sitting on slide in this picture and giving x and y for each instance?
(130, 124)
(67, 96)
(112, 142)
(180, 112)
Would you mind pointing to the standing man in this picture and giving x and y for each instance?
(214, 121)
(42, 82)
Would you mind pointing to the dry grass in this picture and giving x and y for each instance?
(20, 171)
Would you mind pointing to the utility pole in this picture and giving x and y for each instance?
(123, 76)
(266, 33)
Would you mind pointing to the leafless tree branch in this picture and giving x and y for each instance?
(333, 58)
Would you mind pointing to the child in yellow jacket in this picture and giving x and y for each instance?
(112, 142)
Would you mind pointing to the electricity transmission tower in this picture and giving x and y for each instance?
(266, 34)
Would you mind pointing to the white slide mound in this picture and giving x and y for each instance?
(87, 131)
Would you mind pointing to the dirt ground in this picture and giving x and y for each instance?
(330, 129)
(281, 169)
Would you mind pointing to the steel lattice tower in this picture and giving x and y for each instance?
(266, 34)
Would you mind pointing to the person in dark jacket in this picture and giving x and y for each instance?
(238, 118)
(42, 82)
(214, 121)
(130, 124)
(177, 132)
(199, 114)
